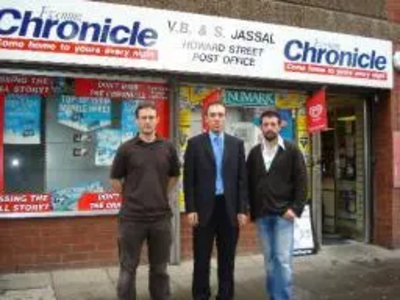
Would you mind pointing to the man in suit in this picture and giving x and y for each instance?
(277, 179)
(216, 201)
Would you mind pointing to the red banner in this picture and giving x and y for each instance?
(21, 84)
(78, 49)
(25, 203)
(317, 117)
(99, 201)
(335, 71)
(120, 89)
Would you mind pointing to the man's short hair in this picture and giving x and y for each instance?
(216, 103)
(145, 105)
(270, 114)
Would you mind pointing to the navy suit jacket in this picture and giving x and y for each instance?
(200, 177)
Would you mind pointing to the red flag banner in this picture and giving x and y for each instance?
(317, 117)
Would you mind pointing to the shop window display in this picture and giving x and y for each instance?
(59, 139)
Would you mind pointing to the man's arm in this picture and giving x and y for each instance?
(189, 177)
(242, 181)
(174, 169)
(172, 182)
(300, 183)
(116, 185)
(251, 182)
(118, 171)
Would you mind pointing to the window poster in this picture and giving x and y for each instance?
(84, 114)
(287, 131)
(22, 119)
(60, 136)
(107, 142)
(129, 128)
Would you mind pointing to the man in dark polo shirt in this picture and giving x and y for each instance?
(144, 170)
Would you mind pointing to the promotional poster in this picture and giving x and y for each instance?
(22, 119)
(84, 114)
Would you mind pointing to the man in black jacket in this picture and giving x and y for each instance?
(216, 201)
(277, 179)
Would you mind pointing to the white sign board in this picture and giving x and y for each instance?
(100, 34)
(303, 234)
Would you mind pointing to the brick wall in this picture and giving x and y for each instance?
(53, 243)
(387, 198)
(76, 242)
(393, 11)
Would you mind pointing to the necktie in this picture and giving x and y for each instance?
(218, 154)
(219, 186)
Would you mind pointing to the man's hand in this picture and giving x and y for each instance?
(242, 219)
(193, 219)
(290, 215)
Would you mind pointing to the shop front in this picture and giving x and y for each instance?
(73, 75)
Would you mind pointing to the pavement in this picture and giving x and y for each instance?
(343, 272)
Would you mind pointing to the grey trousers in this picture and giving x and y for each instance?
(132, 235)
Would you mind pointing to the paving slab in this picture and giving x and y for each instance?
(87, 284)
(46, 293)
(24, 281)
(346, 272)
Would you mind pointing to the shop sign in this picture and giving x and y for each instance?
(304, 243)
(249, 98)
(119, 36)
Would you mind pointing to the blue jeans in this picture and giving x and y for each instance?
(276, 235)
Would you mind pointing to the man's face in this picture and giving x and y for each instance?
(147, 121)
(215, 118)
(270, 127)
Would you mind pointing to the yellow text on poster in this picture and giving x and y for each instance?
(301, 120)
(290, 100)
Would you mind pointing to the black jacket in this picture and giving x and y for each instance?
(284, 186)
(200, 176)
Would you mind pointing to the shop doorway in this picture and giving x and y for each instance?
(344, 173)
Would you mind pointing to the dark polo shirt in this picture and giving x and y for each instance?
(145, 169)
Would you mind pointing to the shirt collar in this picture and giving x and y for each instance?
(213, 135)
(281, 142)
(138, 140)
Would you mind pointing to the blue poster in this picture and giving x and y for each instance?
(287, 131)
(129, 127)
(107, 143)
(84, 114)
(22, 119)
